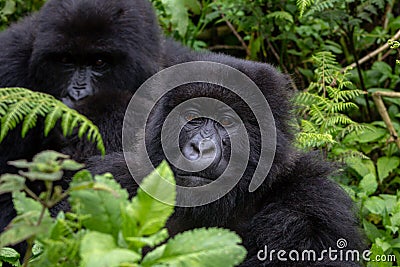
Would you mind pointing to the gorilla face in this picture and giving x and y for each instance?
(210, 120)
(85, 47)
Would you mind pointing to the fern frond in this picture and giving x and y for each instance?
(337, 119)
(31, 119)
(19, 104)
(303, 4)
(321, 6)
(313, 140)
(282, 15)
(317, 115)
(334, 107)
(308, 127)
(51, 119)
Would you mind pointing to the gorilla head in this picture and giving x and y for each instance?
(217, 127)
(213, 124)
(88, 46)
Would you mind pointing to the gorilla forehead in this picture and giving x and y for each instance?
(201, 89)
(93, 22)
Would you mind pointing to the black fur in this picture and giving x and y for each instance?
(297, 207)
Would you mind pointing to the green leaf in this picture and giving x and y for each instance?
(25, 225)
(151, 207)
(10, 256)
(150, 241)
(179, 15)
(33, 176)
(194, 6)
(71, 165)
(386, 165)
(9, 8)
(362, 166)
(371, 134)
(199, 248)
(101, 201)
(100, 250)
(11, 183)
(375, 205)
(371, 231)
(368, 184)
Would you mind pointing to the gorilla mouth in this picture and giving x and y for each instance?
(191, 180)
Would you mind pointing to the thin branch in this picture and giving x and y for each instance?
(377, 96)
(232, 28)
(374, 53)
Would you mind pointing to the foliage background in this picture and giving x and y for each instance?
(315, 41)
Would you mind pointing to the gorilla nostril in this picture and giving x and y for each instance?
(207, 149)
(191, 151)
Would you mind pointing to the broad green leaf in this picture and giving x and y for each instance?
(179, 14)
(71, 165)
(11, 183)
(33, 176)
(194, 6)
(370, 134)
(368, 184)
(150, 241)
(395, 219)
(362, 166)
(25, 225)
(100, 250)
(371, 231)
(10, 256)
(148, 212)
(9, 7)
(386, 165)
(375, 205)
(24, 204)
(199, 248)
(377, 250)
(101, 202)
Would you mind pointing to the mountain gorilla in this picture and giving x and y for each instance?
(297, 207)
(92, 54)
(76, 49)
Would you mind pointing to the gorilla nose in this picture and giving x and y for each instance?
(204, 149)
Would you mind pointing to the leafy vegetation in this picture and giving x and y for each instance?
(104, 228)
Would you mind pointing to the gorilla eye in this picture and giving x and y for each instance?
(227, 121)
(99, 63)
(191, 115)
(66, 59)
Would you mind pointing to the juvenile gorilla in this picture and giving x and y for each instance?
(296, 208)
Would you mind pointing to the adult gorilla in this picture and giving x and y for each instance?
(297, 207)
(92, 54)
(76, 49)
